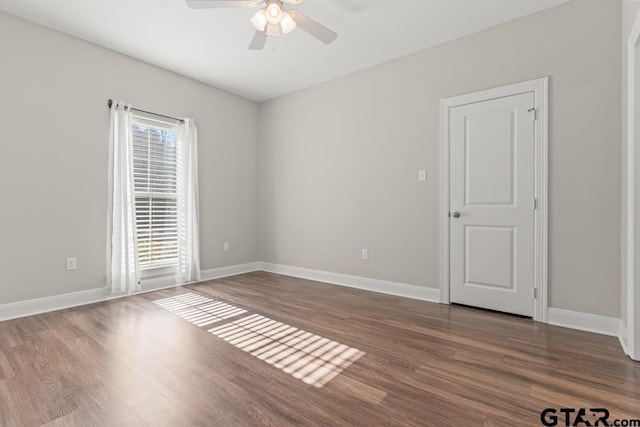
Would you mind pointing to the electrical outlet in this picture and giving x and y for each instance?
(365, 254)
(72, 263)
(227, 247)
(422, 175)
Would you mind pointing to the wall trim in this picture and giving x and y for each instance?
(57, 302)
(75, 299)
(559, 317)
(622, 337)
(633, 194)
(357, 282)
(584, 322)
(232, 270)
(540, 89)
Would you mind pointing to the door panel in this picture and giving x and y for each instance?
(489, 156)
(492, 188)
(489, 255)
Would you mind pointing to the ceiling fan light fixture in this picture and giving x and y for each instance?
(271, 18)
(287, 23)
(259, 20)
(274, 13)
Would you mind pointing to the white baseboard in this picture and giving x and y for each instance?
(569, 319)
(47, 304)
(364, 283)
(233, 270)
(59, 302)
(584, 322)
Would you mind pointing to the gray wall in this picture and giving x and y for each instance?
(53, 165)
(338, 162)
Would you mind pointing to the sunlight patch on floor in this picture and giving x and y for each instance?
(198, 309)
(306, 356)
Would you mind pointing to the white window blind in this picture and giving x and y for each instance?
(154, 168)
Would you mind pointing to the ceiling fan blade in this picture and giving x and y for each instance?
(214, 4)
(314, 28)
(293, 1)
(258, 41)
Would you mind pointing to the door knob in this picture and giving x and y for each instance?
(456, 214)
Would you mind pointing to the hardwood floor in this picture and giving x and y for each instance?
(165, 358)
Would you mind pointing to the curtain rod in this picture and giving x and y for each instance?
(110, 103)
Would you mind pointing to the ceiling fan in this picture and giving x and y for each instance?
(271, 20)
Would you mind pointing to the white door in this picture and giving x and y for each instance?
(492, 173)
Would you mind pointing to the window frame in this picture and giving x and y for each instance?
(167, 268)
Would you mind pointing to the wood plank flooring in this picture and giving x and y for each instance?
(134, 362)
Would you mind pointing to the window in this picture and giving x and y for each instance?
(154, 169)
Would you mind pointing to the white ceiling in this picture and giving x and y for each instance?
(211, 45)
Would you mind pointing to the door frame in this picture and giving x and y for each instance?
(540, 89)
(631, 342)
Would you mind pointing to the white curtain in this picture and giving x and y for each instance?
(188, 269)
(123, 271)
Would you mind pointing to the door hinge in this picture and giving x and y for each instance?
(534, 110)
(535, 204)
(535, 293)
